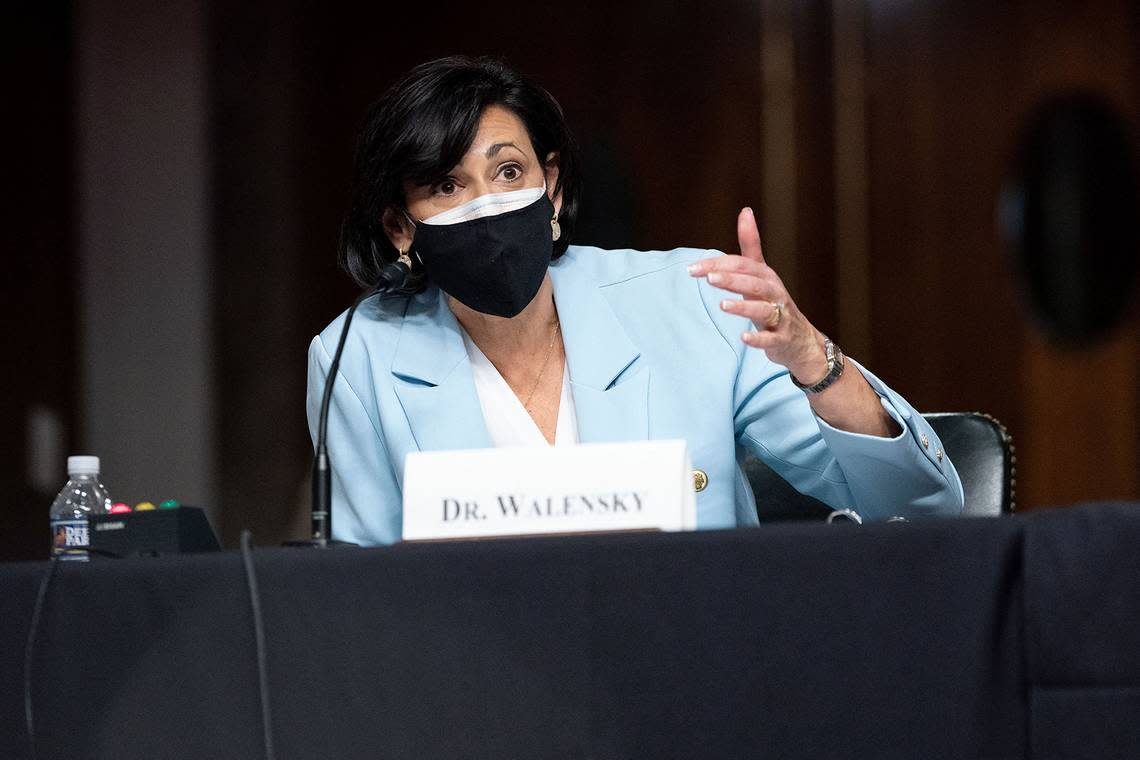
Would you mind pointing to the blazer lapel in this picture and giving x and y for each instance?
(610, 388)
(434, 382)
(436, 388)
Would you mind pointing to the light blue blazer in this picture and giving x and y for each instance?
(651, 356)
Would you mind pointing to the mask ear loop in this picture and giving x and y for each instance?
(555, 227)
(405, 255)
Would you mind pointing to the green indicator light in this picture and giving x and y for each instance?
(168, 504)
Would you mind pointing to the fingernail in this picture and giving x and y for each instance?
(751, 213)
(726, 305)
(695, 268)
(746, 336)
(715, 278)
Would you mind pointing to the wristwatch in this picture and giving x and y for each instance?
(834, 369)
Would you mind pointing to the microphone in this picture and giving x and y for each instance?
(392, 276)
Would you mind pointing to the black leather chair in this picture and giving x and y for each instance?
(979, 446)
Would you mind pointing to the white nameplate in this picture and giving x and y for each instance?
(643, 485)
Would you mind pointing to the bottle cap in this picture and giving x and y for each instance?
(83, 465)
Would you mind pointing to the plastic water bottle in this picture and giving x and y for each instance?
(82, 497)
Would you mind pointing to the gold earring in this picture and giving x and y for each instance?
(404, 258)
(555, 228)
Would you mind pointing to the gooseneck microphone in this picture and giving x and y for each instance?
(392, 277)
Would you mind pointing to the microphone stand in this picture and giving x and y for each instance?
(391, 277)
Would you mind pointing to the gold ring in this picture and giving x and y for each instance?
(777, 315)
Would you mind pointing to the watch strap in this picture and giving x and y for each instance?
(835, 366)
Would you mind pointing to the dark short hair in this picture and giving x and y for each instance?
(421, 128)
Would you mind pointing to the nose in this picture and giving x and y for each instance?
(479, 186)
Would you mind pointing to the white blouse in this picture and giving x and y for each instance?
(508, 422)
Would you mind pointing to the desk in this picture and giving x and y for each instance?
(1006, 638)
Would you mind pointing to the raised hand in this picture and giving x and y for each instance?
(781, 329)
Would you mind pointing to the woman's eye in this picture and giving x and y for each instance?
(511, 173)
(445, 187)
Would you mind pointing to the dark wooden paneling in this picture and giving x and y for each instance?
(38, 312)
(815, 161)
(951, 87)
(260, 283)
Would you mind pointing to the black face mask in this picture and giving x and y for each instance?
(494, 265)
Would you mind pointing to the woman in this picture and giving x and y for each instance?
(504, 334)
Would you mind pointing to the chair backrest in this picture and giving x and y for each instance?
(979, 446)
(982, 451)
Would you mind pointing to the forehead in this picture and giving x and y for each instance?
(499, 125)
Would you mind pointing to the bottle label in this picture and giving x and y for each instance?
(69, 539)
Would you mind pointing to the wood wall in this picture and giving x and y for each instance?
(951, 88)
(38, 309)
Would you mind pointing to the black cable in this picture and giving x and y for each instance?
(259, 640)
(30, 652)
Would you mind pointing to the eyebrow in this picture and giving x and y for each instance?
(494, 149)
